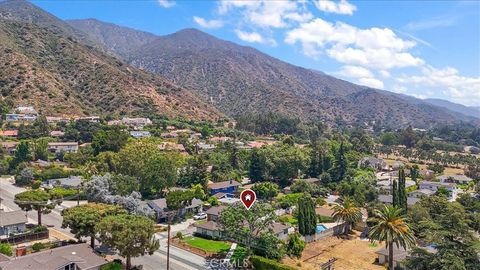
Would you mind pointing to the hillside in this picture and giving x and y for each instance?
(238, 79)
(58, 75)
(471, 111)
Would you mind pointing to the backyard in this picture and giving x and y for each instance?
(350, 254)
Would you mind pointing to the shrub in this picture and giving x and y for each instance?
(261, 263)
(39, 229)
(6, 249)
(38, 246)
(115, 265)
(179, 235)
(36, 184)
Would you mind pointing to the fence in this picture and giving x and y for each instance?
(338, 229)
(25, 237)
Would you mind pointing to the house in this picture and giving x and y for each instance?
(228, 187)
(427, 174)
(22, 113)
(67, 147)
(315, 181)
(435, 186)
(399, 256)
(168, 135)
(419, 193)
(138, 122)
(387, 199)
(137, 134)
(71, 257)
(57, 119)
(9, 146)
(91, 119)
(204, 147)
(169, 146)
(162, 213)
(397, 165)
(12, 222)
(71, 182)
(219, 139)
(57, 133)
(281, 231)
(455, 178)
(9, 133)
(214, 212)
(373, 162)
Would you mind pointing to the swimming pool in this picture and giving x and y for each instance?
(320, 228)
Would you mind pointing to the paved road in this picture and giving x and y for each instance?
(179, 258)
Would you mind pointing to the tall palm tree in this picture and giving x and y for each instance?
(390, 225)
(347, 212)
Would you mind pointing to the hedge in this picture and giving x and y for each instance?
(261, 263)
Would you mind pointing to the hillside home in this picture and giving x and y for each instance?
(71, 257)
(204, 147)
(374, 163)
(419, 193)
(67, 147)
(162, 213)
(138, 134)
(91, 119)
(57, 133)
(9, 133)
(227, 187)
(57, 119)
(169, 146)
(9, 146)
(387, 199)
(455, 178)
(168, 135)
(427, 174)
(435, 186)
(138, 123)
(12, 222)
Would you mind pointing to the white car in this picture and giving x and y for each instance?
(200, 216)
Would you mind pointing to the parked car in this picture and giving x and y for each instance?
(200, 216)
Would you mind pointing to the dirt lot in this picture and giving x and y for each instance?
(353, 254)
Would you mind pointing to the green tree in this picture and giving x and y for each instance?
(295, 245)
(401, 191)
(390, 225)
(82, 219)
(195, 172)
(257, 170)
(124, 185)
(38, 200)
(112, 139)
(340, 163)
(307, 219)
(348, 213)
(388, 138)
(22, 154)
(414, 172)
(41, 149)
(24, 178)
(246, 226)
(266, 190)
(130, 235)
(408, 137)
(6, 249)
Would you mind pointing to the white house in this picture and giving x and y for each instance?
(435, 186)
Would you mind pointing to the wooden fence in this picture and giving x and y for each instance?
(25, 237)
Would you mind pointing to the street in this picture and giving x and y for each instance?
(179, 258)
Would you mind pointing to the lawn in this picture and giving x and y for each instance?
(239, 254)
(207, 245)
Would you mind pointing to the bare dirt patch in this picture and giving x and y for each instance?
(354, 254)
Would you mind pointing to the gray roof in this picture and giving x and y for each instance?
(80, 254)
(309, 180)
(457, 177)
(209, 225)
(161, 204)
(437, 184)
(11, 218)
(399, 253)
(72, 181)
(224, 184)
(216, 210)
(424, 191)
(389, 198)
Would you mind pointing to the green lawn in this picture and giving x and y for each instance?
(239, 254)
(208, 245)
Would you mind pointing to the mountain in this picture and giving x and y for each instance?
(471, 111)
(24, 11)
(59, 75)
(120, 40)
(239, 79)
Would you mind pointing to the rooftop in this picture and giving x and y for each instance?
(224, 184)
(80, 254)
(12, 217)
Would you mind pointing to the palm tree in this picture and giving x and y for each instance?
(390, 225)
(348, 212)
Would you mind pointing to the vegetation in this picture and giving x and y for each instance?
(348, 213)
(295, 245)
(208, 245)
(131, 235)
(38, 200)
(6, 249)
(307, 219)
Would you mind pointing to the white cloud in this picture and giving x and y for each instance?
(166, 3)
(448, 81)
(355, 72)
(207, 24)
(378, 48)
(371, 82)
(254, 37)
(384, 73)
(339, 7)
(441, 21)
(399, 89)
(267, 13)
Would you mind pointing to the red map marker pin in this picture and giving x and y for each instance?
(248, 198)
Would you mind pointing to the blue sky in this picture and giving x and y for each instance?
(428, 49)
